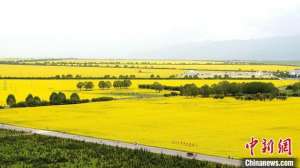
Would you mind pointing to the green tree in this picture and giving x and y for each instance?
(157, 86)
(89, 85)
(108, 84)
(259, 87)
(10, 100)
(80, 85)
(221, 88)
(101, 84)
(126, 83)
(74, 98)
(61, 98)
(53, 98)
(190, 90)
(29, 100)
(296, 86)
(205, 91)
(106, 76)
(36, 101)
(117, 84)
(104, 84)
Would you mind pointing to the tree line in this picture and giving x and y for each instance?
(294, 88)
(245, 91)
(89, 85)
(56, 98)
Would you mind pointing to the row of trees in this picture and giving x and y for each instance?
(122, 83)
(104, 84)
(60, 98)
(30, 101)
(230, 89)
(70, 76)
(85, 85)
(220, 89)
(54, 99)
(294, 87)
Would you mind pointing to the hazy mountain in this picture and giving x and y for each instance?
(277, 48)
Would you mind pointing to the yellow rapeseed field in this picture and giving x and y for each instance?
(43, 88)
(144, 71)
(228, 67)
(203, 125)
(51, 71)
(179, 64)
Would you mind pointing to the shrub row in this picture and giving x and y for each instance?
(261, 97)
(171, 94)
(54, 99)
(89, 85)
(245, 91)
(102, 99)
(226, 88)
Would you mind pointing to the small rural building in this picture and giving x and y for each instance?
(191, 74)
(230, 74)
(295, 72)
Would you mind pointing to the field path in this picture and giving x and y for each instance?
(152, 149)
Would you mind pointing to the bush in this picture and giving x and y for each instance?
(219, 96)
(282, 97)
(171, 94)
(167, 95)
(61, 98)
(239, 97)
(20, 104)
(259, 87)
(258, 96)
(53, 98)
(36, 101)
(74, 98)
(174, 94)
(122, 83)
(102, 99)
(44, 103)
(296, 94)
(104, 84)
(11, 100)
(29, 100)
(84, 100)
(58, 98)
(189, 90)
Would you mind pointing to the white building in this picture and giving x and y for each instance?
(230, 74)
(295, 72)
(191, 74)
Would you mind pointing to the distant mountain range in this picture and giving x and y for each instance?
(276, 48)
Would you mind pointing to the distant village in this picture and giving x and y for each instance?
(295, 73)
(236, 74)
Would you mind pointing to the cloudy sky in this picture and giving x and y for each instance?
(121, 29)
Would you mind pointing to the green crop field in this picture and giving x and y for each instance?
(25, 150)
